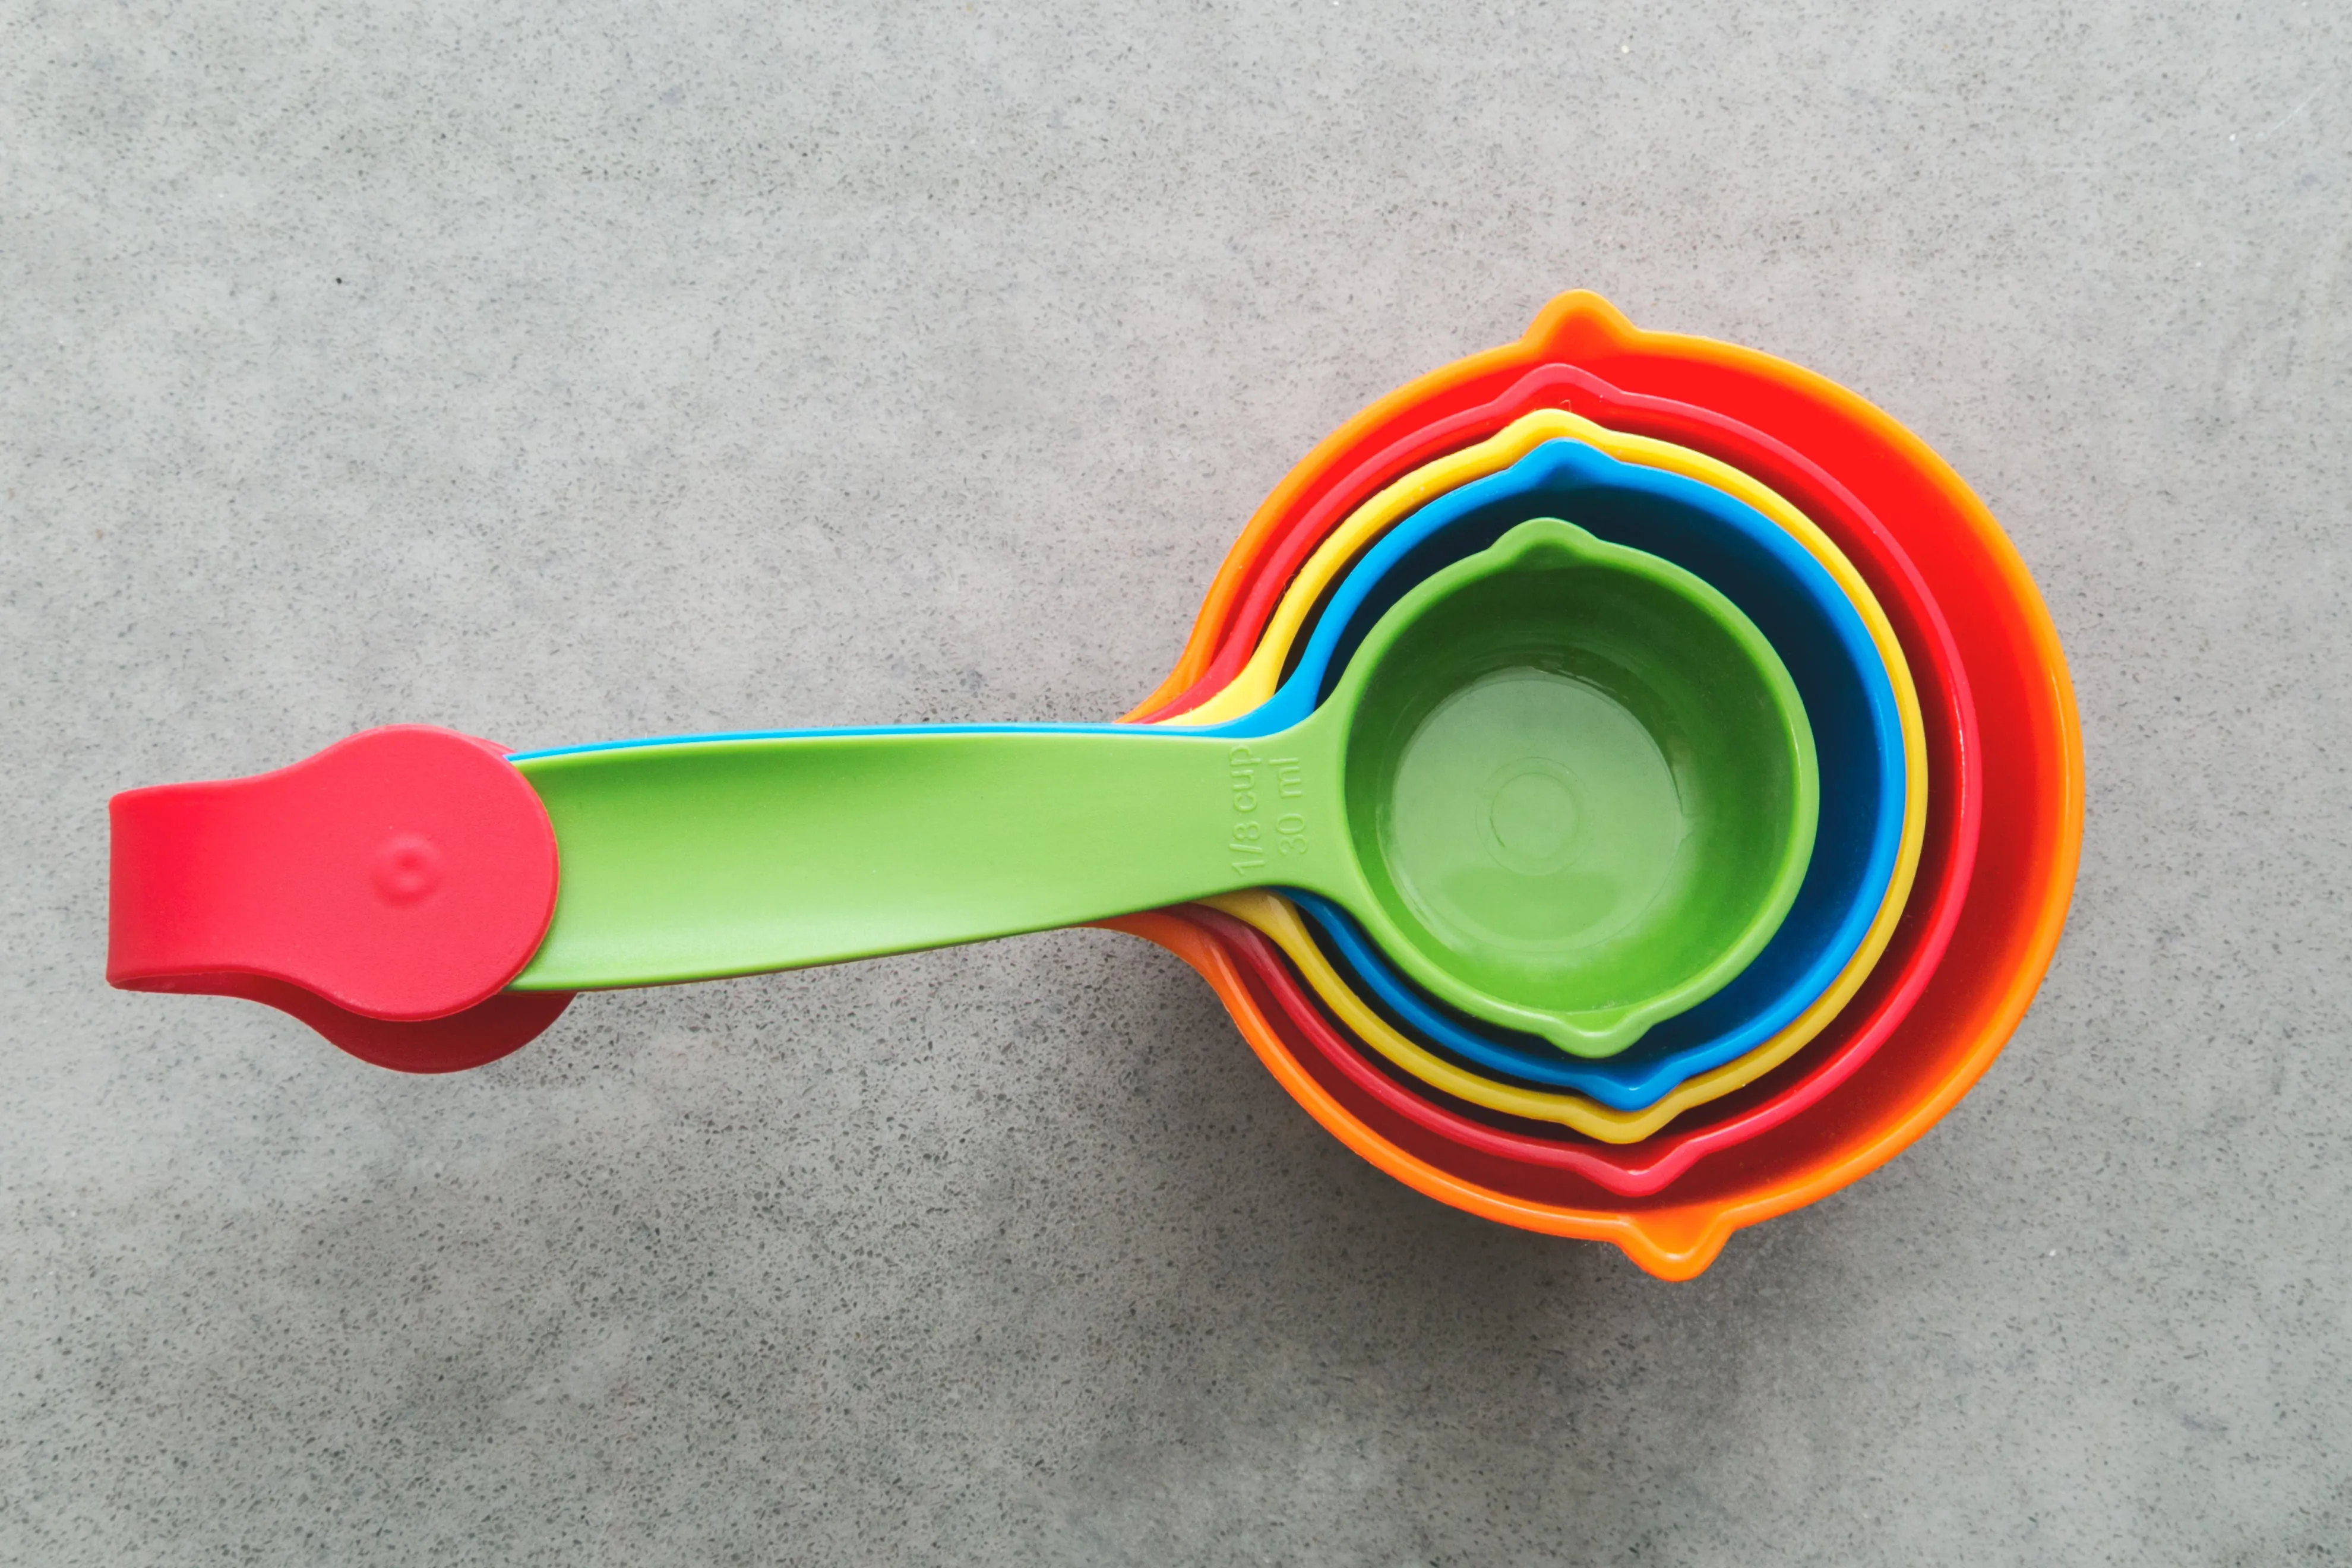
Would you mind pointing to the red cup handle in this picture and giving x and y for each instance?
(402, 876)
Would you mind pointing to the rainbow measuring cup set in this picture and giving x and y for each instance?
(1622, 784)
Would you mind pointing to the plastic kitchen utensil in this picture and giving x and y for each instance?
(1954, 804)
(1848, 694)
(1811, 1142)
(1568, 786)
(1875, 781)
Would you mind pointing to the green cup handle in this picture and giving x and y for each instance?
(697, 859)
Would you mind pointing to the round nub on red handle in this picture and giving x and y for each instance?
(385, 891)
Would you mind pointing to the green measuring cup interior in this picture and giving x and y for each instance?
(1566, 785)
(1576, 785)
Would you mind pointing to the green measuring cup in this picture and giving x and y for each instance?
(1567, 785)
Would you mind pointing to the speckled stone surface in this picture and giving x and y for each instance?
(570, 373)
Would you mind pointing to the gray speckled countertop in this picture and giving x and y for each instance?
(665, 369)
